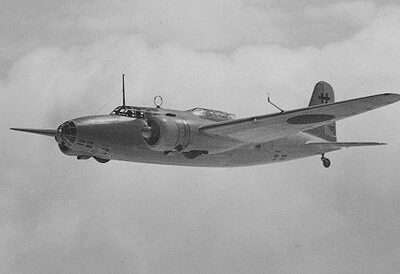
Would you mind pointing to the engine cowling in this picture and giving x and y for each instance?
(167, 134)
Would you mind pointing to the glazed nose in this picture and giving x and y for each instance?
(66, 133)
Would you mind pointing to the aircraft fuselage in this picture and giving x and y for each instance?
(123, 137)
(212, 138)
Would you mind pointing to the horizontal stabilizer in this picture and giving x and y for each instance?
(338, 145)
(46, 132)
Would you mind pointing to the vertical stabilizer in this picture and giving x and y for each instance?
(123, 90)
(323, 94)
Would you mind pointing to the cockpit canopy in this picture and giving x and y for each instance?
(203, 113)
(213, 115)
(129, 111)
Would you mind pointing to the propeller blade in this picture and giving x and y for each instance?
(46, 132)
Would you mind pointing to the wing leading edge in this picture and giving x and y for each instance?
(274, 126)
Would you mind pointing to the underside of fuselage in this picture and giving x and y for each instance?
(256, 155)
(281, 150)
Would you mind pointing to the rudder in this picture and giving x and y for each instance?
(323, 94)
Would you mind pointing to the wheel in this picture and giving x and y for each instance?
(326, 162)
(101, 160)
(83, 157)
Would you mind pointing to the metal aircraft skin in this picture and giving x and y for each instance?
(209, 138)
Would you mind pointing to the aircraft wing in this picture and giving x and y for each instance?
(46, 132)
(274, 126)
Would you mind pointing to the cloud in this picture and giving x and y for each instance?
(202, 25)
(221, 25)
(356, 13)
(62, 215)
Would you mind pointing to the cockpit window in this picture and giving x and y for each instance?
(128, 111)
(213, 115)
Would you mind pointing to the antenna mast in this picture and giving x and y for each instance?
(123, 90)
(270, 102)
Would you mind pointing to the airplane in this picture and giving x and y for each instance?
(211, 138)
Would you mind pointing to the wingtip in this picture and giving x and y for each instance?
(46, 132)
(394, 96)
(375, 144)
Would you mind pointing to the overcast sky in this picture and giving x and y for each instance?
(63, 59)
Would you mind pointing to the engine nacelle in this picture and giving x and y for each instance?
(167, 134)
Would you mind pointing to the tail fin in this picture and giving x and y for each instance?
(323, 94)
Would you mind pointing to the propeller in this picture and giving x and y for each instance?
(151, 131)
(147, 130)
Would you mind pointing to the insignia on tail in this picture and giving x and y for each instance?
(323, 94)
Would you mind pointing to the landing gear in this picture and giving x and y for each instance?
(83, 157)
(325, 161)
(101, 160)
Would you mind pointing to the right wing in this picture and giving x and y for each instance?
(274, 126)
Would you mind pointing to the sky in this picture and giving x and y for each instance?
(64, 59)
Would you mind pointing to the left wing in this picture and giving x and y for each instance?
(274, 126)
(46, 132)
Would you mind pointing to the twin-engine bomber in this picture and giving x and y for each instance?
(211, 138)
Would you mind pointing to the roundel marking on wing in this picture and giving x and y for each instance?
(309, 119)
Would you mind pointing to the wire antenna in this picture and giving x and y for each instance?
(274, 105)
(123, 90)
